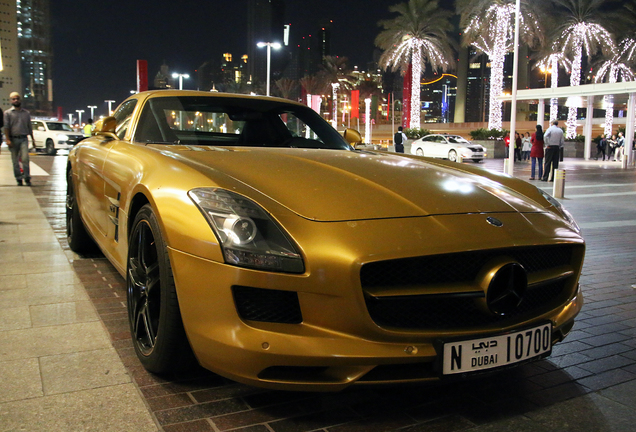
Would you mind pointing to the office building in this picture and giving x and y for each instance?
(9, 54)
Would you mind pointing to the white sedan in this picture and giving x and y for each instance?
(451, 147)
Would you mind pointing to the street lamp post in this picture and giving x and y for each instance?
(92, 108)
(181, 77)
(110, 104)
(79, 116)
(269, 46)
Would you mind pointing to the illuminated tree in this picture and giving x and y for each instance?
(580, 30)
(336, 72)
(489, 26)
(550, 65)
(614, 70)
(417, 36)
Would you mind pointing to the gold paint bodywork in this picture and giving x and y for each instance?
(343, 209)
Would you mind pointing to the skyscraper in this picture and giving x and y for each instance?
(9, 56)
(265, 23)
(34, 44)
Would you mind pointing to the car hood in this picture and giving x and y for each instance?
(340, 185)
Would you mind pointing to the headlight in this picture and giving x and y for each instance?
(248, 236)
(62, 137)
(561, 210)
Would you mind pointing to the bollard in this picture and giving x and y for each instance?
(624, 159)
(559, 183)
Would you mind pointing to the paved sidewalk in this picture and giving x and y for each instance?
(59, 370)
(588, 384)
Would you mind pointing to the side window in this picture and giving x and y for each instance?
(36, 125)
(123, 115)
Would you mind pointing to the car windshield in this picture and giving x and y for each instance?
(224, 121)
(457, 140)
(59, 126)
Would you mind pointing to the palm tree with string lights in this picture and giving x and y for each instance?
(488, 25)
(549, 63)
(417, 36)
(336, 71)
(615, 69)
(580, 29)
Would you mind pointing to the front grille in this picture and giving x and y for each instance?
(265, 305)
(456, 311)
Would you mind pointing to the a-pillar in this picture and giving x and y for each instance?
(587, 129)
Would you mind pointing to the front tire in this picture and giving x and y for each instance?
(153, 308)
(419, 152)
(78, 238)
(452, 156)
(50, 148)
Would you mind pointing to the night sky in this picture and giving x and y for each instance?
(95, 47)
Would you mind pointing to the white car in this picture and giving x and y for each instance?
(450, 147)
(52, 135)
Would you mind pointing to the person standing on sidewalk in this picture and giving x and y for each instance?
(17, 128)
(554, 140)
(398, 140)
(536, 152)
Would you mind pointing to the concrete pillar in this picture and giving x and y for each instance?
(541, 113)
(587, 129)
(629, 128)
(462, 84)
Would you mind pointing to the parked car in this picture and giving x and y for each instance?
(52, 136)
(451, 147)
(252, 234)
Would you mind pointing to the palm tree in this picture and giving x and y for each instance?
(336, 71)
(418, 35)
(614, 70)
(489, 26)
(580, 30)
(286, 87)
(550, 64)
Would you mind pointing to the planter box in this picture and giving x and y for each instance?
(495, 149)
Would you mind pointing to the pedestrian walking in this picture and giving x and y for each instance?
(536, 152)
(554, 140)
(600, 147)
(517, 147)
(17, 128)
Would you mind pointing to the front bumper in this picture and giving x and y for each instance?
(338, 343)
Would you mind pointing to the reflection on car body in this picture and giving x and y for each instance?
(451, 147)
(252, 235)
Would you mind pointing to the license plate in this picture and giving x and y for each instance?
(491, 352)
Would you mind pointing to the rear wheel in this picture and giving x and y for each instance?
(153, 309)
(50, 148)
(452, 156)
(419, 152)
(78, 238)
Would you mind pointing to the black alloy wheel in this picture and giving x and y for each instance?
(153, 309)
(78, 238)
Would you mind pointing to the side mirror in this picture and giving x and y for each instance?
(41, 128)
(106, 127)
(352, 136)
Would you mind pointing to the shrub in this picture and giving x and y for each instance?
(416, 133)
(487, 134)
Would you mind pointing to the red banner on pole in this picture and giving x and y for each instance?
(355, 104)
(142, 75)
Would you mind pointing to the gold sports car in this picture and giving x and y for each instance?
(252, 235)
